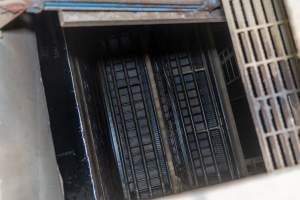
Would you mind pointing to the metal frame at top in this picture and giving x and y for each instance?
(125, 6)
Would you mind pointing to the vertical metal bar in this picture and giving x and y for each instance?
(114, 130)
(193, 123)
(219, 79)
(175, 181)
(137, 126)
(204, 115)
(218, 119)
(198, 147)
(124, 126)
(181, 134)
(152, 134)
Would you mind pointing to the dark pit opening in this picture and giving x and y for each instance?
(139, 112)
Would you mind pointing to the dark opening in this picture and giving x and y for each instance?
(136, 111)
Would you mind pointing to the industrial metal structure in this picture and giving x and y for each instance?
(148, 98)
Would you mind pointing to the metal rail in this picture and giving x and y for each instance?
(128, 6)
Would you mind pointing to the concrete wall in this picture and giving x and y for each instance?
(293, 10)
(28, 169)
(279, 185)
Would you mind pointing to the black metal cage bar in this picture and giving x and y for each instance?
(134, 126)
(203, 132)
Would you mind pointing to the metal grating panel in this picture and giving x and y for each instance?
(269, 69)
(133, 123)
(196, 117)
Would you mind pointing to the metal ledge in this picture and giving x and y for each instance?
(79, 19)
(126, 5)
